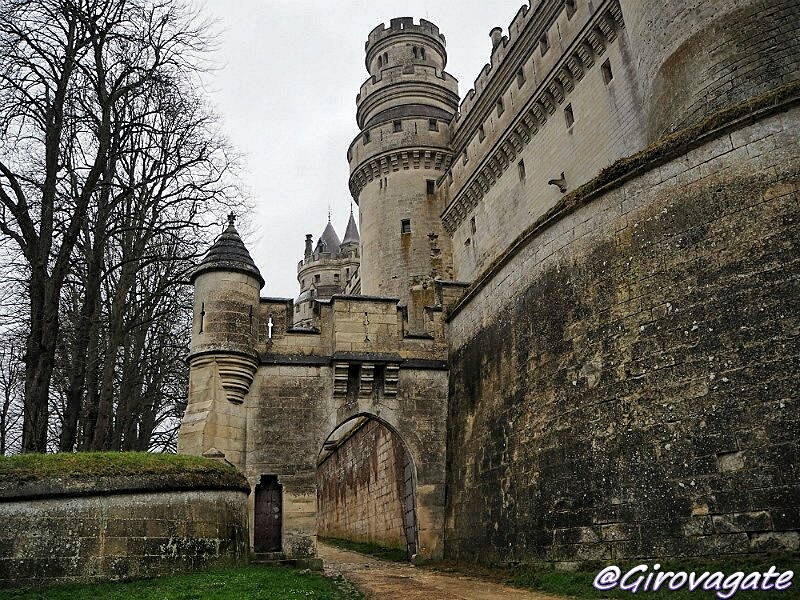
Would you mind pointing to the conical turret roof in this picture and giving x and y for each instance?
(228, 253)
(329, 241)
(351, 233)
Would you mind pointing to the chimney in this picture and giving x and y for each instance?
(308, 246)
(497, 36)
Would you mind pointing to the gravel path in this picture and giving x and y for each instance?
(380, 579)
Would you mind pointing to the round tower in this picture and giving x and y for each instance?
(403, 110)
(227, 287)
(695, 57)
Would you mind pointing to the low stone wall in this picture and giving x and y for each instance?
(108, 528)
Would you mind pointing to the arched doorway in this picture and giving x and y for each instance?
(366, 485)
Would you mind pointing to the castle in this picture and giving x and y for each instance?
(566, 327)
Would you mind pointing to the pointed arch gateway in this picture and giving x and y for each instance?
(366, 485)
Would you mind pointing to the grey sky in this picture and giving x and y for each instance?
(286, 93)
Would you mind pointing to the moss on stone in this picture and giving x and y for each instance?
(181, 469)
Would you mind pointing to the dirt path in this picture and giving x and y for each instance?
(380, 579)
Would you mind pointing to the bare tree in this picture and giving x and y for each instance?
(72, 71)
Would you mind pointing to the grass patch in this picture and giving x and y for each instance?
(252, 582)
(578, 584)
(376, 550)
(33, 467)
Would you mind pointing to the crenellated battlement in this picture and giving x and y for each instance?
(403, 25)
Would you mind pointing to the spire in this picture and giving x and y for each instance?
(328, 241)
(351, 233)
(228, 253)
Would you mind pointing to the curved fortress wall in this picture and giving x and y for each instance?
(625, 384)
(621, 380)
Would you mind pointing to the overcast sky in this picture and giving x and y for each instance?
(286, 89)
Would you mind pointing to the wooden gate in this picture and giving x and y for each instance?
(268, 517)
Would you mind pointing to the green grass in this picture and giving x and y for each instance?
(579, 583)
(251, 583)
(33, 467)
(376, 550)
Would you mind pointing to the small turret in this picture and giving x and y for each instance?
(325, 272)
(227, 287)
(222, 357)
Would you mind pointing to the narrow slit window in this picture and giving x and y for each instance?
(481, 133)
(414, 51)
(385, 58)
(366, 137)
(605, 68)
(336, 277)
(405, 226)
(202, 315)
(433, 125)
(570, 4)
(398, 126)
(472, 227)
(569, 116)
(521, 170)
(316, 278)
(422, 53)
(500, 107)
(464, 158)
(429, 186)
(544, 43)
(520, 77)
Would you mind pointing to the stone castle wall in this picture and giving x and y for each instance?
(66, 531)
(694, 57)
(622, 382)
(361, 488)
(498, 183)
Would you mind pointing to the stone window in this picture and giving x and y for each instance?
(481, 133)
(472, 227)
(433, 125)
(422, 53)
(398, 126)
(316, 278)
(570, 4)
(378, 381)
(569, 116)
(405, 226)
(336, 277)
(500, 107)
(385, 58)
(521, 169)
(605, 68)
(430, 186)
(414, 51)
(366, 137)
(465, 158)
(544, 44)
(520, 77)
(380, 61)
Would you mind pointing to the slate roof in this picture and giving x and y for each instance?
(351, 233)
(228, 253)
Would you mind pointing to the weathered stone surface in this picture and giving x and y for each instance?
(640, 352)
(118, 532)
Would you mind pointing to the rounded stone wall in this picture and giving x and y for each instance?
(59, 529)
(695, 56)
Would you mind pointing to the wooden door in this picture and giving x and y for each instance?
(268, 519)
